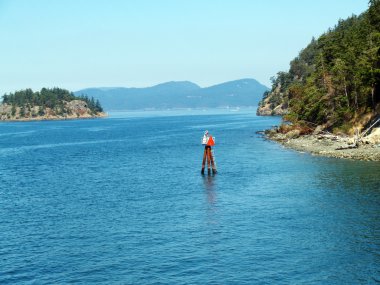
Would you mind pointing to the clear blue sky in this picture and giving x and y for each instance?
(76, 44)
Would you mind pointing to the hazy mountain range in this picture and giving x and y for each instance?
(179, 94)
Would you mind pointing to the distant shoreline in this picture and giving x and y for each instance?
(230, 108)
(42, 118)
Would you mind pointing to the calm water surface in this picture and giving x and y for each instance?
(121, 201)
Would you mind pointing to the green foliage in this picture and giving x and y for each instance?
(374, 14)
(337, 76)
(93, 105)
(13, 111)
(54, 98)
(41, 111)
(22, 111)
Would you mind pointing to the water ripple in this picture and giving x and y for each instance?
(121, 201)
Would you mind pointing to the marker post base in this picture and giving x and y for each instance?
(208, 156)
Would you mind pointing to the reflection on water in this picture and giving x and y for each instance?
(209, 184)
(350, 175)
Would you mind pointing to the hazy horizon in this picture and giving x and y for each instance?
(80, 44)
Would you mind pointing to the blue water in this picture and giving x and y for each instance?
(121, 201)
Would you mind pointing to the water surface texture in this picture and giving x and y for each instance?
(121, 201)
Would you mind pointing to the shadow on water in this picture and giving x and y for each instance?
(351, 176)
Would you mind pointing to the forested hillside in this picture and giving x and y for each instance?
(335, 81)
(47, 103)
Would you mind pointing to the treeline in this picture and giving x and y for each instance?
(335, 80)
(54, 98)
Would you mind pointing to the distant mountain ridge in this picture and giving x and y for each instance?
(179, 94)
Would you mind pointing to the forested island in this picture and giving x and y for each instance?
(48, 104)
(332, 88)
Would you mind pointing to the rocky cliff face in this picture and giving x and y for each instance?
(274, 103)
(75, 109)
(268, 109)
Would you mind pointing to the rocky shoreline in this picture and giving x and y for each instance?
(330, 145)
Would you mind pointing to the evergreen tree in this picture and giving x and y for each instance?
(98, 106)
(13, 111)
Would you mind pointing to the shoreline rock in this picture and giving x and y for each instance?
(327, 145)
